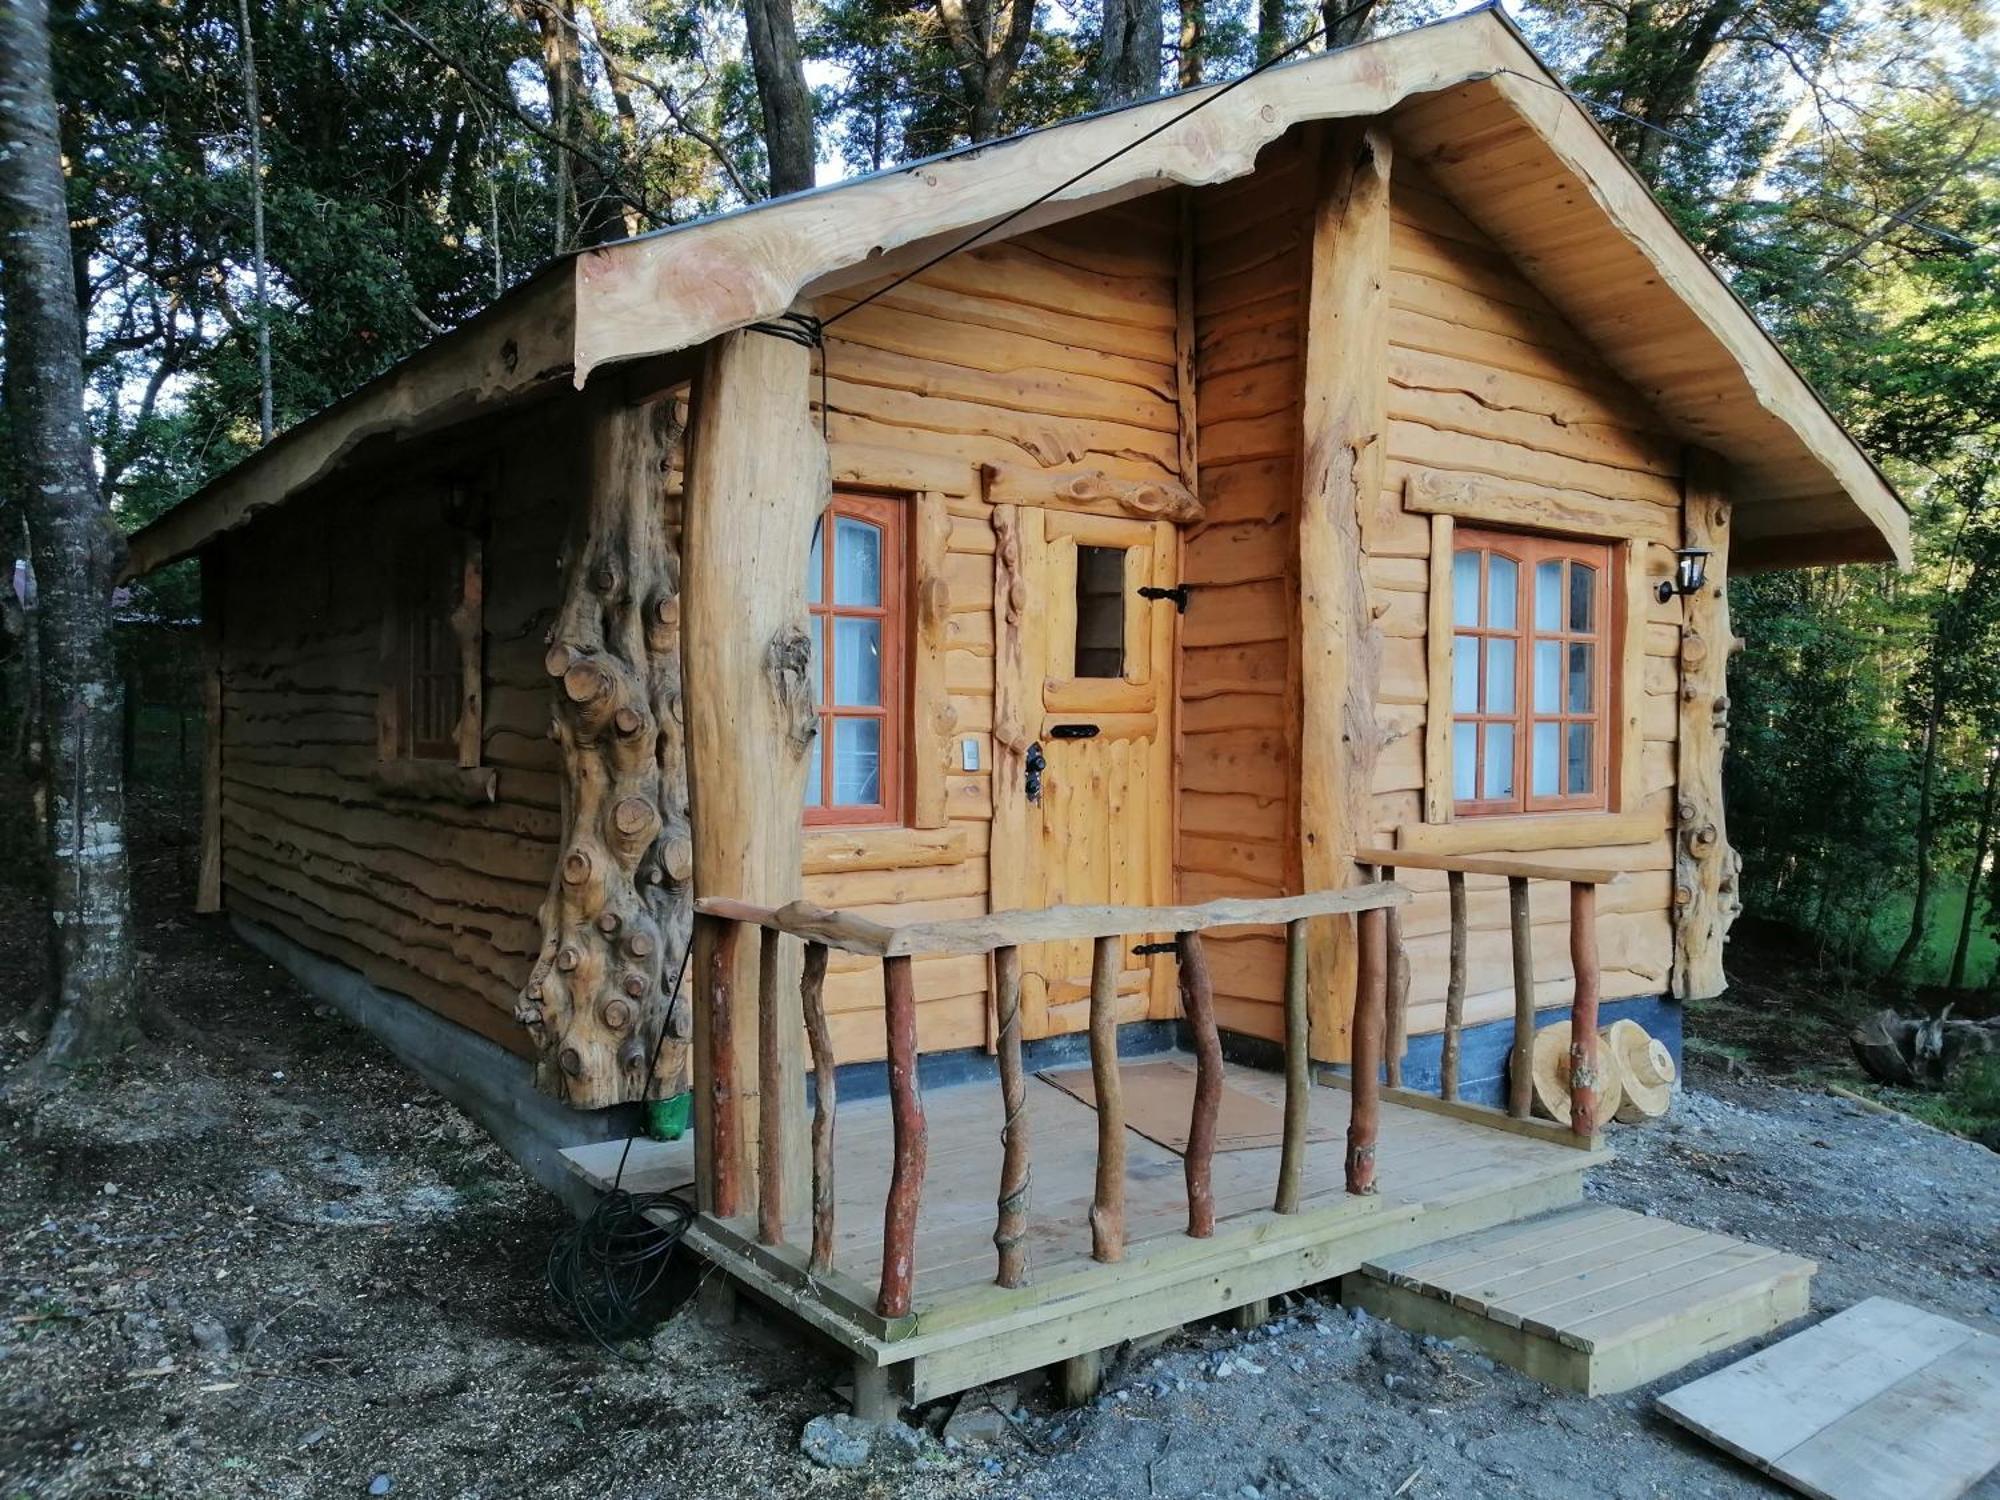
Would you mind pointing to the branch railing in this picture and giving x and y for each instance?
(1003, 934)
(1583, 1061)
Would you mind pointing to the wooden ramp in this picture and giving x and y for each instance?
(1881, 1402)
(1592, 1299)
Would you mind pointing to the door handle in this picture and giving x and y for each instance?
(1073, 731)
(1036, 763)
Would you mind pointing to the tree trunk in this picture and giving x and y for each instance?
(782, 91)
(1128, 62)
(1981, 846)
(1270, 29)
(77, 554)
(1346, 22)
(252, 110)
(1926, 825)
(1194, 33)
(987, 40)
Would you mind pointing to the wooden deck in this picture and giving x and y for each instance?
(1438, 1176)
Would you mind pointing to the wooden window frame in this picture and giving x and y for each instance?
(892, 515)
(1527, 551)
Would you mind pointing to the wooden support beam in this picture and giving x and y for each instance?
(1298, 1080)
(1521, 1061)
(208, 873)
(1107, 1209)
(1454, 991)
(911, 1139)
(1198, 1006)
(812, 1000)
(770, 1128)
(1397, 1023)
(721, 1169)
(1478, 864)
(1369, 1002)
(1011, 1231)
(1583, 1008)
(1345, 426)
(1706, 869)
(756, 486)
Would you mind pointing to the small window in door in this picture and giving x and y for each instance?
(1100, 611)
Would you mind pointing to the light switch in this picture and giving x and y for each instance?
(968, 755)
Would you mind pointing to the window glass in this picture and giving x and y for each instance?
(1582, 596)
(1465, 674)
(1580, 765)
(857, 755)
(1500, 676)
(1580, 678)
(1464, 761)
(1498, 770)
(1502, 575)
(1548, 595)
(1548, 677)
(857, 562)
(1465, 588)
(857, 663)
(1100, 611)
(1546, 762)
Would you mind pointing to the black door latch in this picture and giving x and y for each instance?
(1178, 593)
(1037, 763)
(1074, 732)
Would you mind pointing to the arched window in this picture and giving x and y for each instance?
(854, 593)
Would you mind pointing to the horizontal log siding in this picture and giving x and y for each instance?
(1054, 350)
(1239, 672)
(1486, 378)
(427, 898)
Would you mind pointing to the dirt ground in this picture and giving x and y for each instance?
(259, 1260)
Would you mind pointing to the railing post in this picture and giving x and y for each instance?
(1010, 1233)
(1454, 993)
(770, 1099)
(906, 1114)
(1397, 1025)
(1521, 1065)
(1107, 1210)
(726, 1125)
(1198, 1004)
(1291, 1161)
(812, 997)
(1365, 1050)
(1583, 1008)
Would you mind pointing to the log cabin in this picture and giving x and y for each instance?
(1244, 573)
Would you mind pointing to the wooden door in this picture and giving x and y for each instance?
(1092, 686)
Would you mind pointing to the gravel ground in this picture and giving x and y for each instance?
(257, 1259)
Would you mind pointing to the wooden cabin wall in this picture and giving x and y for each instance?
(425, 897)
(1054, 350)
(1486, 378)
(1239, 688)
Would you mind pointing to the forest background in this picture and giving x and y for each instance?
(273, 200)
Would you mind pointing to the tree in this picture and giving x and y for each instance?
(781, 89)
(988, 38)
(77, 554)
(1129, 48)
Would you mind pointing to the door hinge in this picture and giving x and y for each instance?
(1178, 593)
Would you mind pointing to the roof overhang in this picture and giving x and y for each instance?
(1468, 97)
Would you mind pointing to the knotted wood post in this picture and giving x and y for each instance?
(910, 1142)
(1454, 991)
(757, 482)
(770, 1127)
(1011, 1231)
(1370, 1003)
(1583, 1008)
(1521, 1062)
(1397, 1026)
(1198, 1005)
(812, 1000)
(725, 1104)
(1298, 1083)
(1107, 1209)
(1706, 870)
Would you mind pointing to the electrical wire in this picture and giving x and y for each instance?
(605, 1273)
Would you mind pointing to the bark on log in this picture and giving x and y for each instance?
(1520, 1062)
(1198, 1005)
(1011, 1230)
(1583, 1048)
(1298, 1084)
(812, 1000)
(1706, 870)
(1454, 994)
(911, 1135)
(617, 920)
(1370, 1000)
(1107, 1209)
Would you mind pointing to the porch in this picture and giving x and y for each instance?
(1440, 1173)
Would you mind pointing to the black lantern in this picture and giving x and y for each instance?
(1690, 573)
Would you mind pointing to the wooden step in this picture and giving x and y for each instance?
(1592, 1299)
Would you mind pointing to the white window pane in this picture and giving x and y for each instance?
(1499, 677)
(1547, 692)
(857, 562)
(1464, 761)
(1582, 596)
(1465, 674)
(1503, 577)
(1465, 588)
(857, 662)
(1578, 776)
(813, 791)
(1548, 596)
(1581, 676)
(1498, 780)
(1545, 760)
(816, 567)
(857, 756)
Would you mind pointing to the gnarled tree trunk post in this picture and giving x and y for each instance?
(757, 482)
(616, 922)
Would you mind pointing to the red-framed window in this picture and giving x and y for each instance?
(1531, 674)
(854, 594)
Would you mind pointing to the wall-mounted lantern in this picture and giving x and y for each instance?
(1690, 573)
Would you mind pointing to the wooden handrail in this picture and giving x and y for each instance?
(1487, 864)
(1008, 929)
